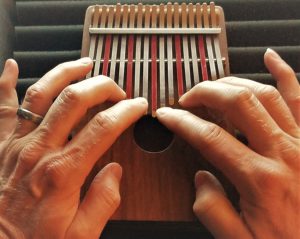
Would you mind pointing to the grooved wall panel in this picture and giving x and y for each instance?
(49, 32)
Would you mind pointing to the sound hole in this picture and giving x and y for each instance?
(151, 136)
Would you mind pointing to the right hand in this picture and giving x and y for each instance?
(266, 173)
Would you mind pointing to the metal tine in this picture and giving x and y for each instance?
(93, 37)
(186, 17)
(216, 41)
(115, 43)
(154, 62)
(130, 49)
(107, 48)
(209, 44)
(146, 54)
(138, 52)
(162, 80)
(100, 41)
(179, 72)
(170, 55)
(185, 45)
(123, 46)
(191, 11)
(201, 47)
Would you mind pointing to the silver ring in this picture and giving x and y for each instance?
(28, 115)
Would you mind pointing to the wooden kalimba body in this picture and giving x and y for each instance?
(157, 52)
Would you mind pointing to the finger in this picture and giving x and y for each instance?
(73, 103)
(271, 100)
(287, 82)
(99, 204)
(240, 107)
(215, 211)
(39, 97)
(85, 149)
(8, 98)
(213, 142)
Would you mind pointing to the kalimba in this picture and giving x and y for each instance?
(157, 52)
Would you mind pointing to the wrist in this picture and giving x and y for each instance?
(9, 231)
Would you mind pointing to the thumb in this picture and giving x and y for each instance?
(215, 211)
(99, 204)
(8, 98)
(8, 79)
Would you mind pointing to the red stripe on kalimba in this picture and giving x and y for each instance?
(129, 67)
(106, 55)
(154, 73)
(202, 58)
(179, 65)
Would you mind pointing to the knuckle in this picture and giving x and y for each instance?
(271, 177)
(35, 93)
(229, 79)
(127, 106)
(212, 133)
(240, 97)
(289, 72)
(54, 173)
(71, 95)
(207, 133)
(43, 131)
(108, 80)
(29, 155)
(6, 111)
(110, 83)
(60, 166)
(269, 90)
(243, 95)
(295, 103)
(64, 68)
(4, 84)
(270, 93)
(185, 116)
(105, 121)
(204, 84)
(111, 198)
(42, 136)
(204, 203)
(181, 122)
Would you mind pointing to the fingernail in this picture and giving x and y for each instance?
(7, 63)
(85, 60)
(181, 99)
(7, 67)
(116, 170)
(273, 54)
(163, 110)
(141, 100)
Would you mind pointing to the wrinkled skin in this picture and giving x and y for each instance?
(41, 171)
(266, 173)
